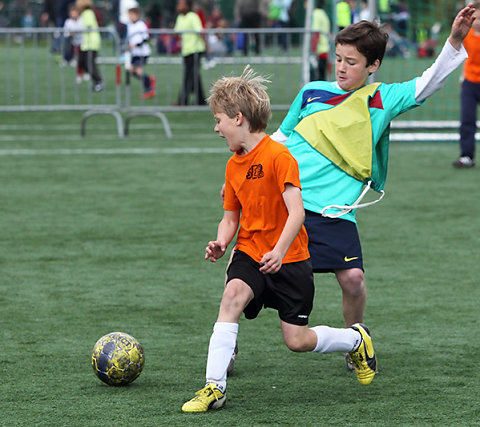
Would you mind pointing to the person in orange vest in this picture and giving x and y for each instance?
(470, 94)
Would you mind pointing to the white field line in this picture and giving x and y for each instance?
(109, 151)
(174, 151)
(158, 135)
(76, 127)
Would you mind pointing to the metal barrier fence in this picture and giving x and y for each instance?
(32, 78)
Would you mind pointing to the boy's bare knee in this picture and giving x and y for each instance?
(235, 295)
(353, 281)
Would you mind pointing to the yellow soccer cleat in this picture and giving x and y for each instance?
(364, 356)
(209, 397)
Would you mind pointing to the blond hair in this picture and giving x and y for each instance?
(245, 94)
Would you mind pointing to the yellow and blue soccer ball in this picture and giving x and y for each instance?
(117, 359)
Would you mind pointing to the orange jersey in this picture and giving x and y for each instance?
(254, 184)
(472, 63)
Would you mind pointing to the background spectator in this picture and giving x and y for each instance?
(139, 49)
(364, 13)
(354, 13)
(72, 32)
(193, 47)
(153, 14)
(251, 14)
(218, 45)
(401, 18)
(49, 14)
(91, 43)
(470, 94)
(344, 14)
(120, 15)
(3, 18)
(280, 17)
(320, 41)
(28, 20)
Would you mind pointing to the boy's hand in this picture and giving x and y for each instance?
(271, 262)
(461, 26)
(215, 250)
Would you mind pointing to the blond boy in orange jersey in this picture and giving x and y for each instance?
(271, 265)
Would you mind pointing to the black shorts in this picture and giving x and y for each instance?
(139, 61)
(333, 243)
(290, 291)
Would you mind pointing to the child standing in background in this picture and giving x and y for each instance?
(137, 38)
(91, 42)
(73, 39)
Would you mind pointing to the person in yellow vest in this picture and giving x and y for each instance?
(344, 15)
(91, 43)
(193, 47)
(384, 10)
(383, 6)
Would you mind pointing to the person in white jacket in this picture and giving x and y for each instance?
(139, 50)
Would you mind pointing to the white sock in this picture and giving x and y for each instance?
(220, 350)
(330, 340)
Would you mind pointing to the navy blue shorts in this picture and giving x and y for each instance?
(290, 291)
(333, 243)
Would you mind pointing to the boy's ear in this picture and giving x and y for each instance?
(239, 118)
(374, 67)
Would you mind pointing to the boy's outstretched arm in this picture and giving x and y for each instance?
(461, 26)
(272, 261)
(452, 55)
(226, 231)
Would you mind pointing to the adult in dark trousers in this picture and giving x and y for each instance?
(251, 14)
(470, 94)
(193, 47)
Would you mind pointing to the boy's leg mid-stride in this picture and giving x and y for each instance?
(363, 357)
(238, 297)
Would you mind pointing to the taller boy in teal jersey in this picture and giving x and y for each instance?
(339, 133)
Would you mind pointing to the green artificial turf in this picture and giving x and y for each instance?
(95, 240)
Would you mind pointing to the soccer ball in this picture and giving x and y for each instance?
(117, 358)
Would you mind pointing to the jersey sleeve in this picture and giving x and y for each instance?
(231, 202)
(293, 116)
(433, 78)
(287, 172)
(398, 98)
